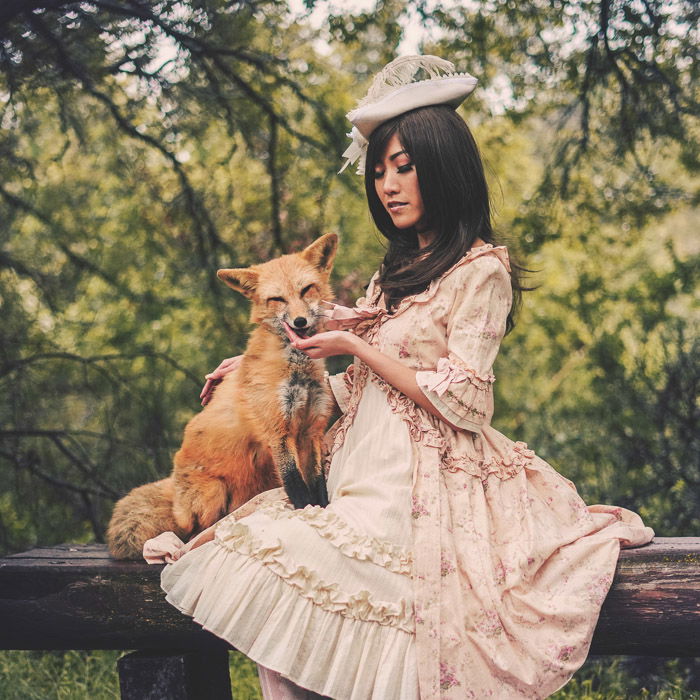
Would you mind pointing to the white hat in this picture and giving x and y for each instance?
(395, 91)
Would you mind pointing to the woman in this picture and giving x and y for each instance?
(451, 562)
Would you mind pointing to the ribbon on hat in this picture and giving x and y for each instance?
(356, 150)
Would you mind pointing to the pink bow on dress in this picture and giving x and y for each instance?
(345, 318)
(447, 373)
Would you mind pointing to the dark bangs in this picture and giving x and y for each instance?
(454, 191)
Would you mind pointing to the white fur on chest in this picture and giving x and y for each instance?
(302, 395)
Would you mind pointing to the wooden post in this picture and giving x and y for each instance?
(183, 675)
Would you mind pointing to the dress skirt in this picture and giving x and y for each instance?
(322, 596)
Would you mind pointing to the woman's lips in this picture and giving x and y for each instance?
(395, 206)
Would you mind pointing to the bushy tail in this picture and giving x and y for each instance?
(143, 513)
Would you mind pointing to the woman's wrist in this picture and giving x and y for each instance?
(358, 346)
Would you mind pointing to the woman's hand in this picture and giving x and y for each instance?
(324, 344)
(214, 378)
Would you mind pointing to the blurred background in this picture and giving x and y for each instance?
(143, 145)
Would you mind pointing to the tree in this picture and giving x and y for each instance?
(147, 144)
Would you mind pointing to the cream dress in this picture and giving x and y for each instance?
(449, 563)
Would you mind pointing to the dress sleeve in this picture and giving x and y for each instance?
(461, 385)
(341, 387)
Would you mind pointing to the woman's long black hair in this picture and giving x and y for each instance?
(455, 197)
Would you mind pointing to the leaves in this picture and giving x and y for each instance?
(146, 145)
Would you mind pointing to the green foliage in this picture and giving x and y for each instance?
(244, 677)
(59, 675)
(116, 213)
(602, 678)
(82, 675)
(91, 675)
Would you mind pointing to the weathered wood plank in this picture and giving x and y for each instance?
(76, 597)
(653, 606)
(63, 599)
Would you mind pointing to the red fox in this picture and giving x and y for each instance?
(264, 425)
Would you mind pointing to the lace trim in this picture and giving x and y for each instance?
(520, 457)
(359, 380)
(469, 409)
(357, 606)
(420, 429)
(424, 433)
(348, 541)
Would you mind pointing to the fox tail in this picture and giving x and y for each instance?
(143, 513)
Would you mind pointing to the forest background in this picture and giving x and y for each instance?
(147, 144)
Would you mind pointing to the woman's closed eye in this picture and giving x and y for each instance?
(407, 167)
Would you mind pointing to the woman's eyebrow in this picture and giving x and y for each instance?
(397, 154)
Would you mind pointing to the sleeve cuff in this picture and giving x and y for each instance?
(447, 413)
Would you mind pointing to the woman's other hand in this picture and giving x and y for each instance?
(214, 378)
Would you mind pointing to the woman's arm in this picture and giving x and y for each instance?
(392, 371)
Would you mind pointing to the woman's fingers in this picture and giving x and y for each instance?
(208, 390)
(214, 378)
(226, 366)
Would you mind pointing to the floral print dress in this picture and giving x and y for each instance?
(450, 563)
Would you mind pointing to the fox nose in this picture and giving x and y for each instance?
(299, 322)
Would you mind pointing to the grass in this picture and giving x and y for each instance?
(92, 675)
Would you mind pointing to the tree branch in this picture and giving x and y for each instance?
(274, 186)
(15, 365)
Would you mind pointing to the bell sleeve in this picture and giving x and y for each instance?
(461, 385)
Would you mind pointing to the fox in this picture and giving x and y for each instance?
(263, 427)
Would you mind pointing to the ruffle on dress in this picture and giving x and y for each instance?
(237, 537)
(341, 387)
(369, 312)
(332, 527)
(252, 601)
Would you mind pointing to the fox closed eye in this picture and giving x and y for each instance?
(308, 288)
(280, 299)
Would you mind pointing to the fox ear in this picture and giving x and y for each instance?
(322, 252)
(243, 280)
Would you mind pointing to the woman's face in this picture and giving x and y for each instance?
(396, 184)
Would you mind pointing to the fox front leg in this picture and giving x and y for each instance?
(319, 491)
(287, 463)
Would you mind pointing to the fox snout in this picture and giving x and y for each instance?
(304, 323)
(300, 323)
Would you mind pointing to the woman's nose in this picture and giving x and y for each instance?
(390, 184)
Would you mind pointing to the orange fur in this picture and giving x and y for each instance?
(265, 422)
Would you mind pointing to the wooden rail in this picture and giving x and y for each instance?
(76, 597)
